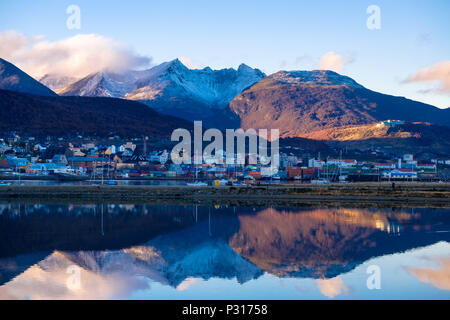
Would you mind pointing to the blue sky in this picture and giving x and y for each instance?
(270, 35)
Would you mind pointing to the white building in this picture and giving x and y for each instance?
(345, 163)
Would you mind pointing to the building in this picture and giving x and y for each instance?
(86, 162)
(47, 168)
(426, 166)
(390, 123)
(408, 157)
(313, 163)
(400, 174)
(384, 165)
(345, 163)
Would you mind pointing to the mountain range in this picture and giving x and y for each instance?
(301, 104)
(170, 88)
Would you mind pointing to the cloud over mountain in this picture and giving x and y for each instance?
(334, 62)
(75, 56)
(439, 72)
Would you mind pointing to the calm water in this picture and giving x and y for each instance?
(188, 252)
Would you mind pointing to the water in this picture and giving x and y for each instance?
(69, 251)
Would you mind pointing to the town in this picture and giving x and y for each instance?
(112, 159)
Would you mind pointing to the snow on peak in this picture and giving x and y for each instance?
(169, 79)
(315, 77)
(217, 87)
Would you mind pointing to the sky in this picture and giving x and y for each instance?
(408, 55)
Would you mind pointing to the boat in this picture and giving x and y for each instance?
(197, 184)
(319, 181)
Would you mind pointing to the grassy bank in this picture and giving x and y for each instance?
(414, 194)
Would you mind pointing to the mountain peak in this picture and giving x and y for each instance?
(315, 77)
(301, 102)
(14, 79)
(176, 63)
(244, 67)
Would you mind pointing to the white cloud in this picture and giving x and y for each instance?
(438, 277)
(439, 72)
(188, 283)
(48, 280)
(76, 56)
(333, 61)
(332, 287)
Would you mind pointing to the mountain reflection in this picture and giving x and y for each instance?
(121, 249)
(327, 242)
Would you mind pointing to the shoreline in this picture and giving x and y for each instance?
(404, 194)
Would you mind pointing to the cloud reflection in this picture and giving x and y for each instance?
(332, 287)
(438, 277)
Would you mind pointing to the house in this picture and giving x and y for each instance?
(129, 145)
(384, 165)
(400, 174)
(47, 168)
(15, 162)
(426, 166)
(86, 162)
(345, 163)
(88, 146)
(175, 168)
(4, 164)
(408, 157)
(313, 163)
(390, 123)
(112, 149)
(59, 158)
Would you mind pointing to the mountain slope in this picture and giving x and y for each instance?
(39, 115)
(57, 83)
(171, 88)
(306, 101)
(103, 84)
(14, 79)
(424, 140)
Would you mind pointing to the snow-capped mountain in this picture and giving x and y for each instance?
(56, 82)
(103, 84)
(171, 87)
(215, 87)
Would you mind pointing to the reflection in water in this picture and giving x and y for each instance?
(437, 276)
(325, 242)
(332, 287)
(155, 251)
